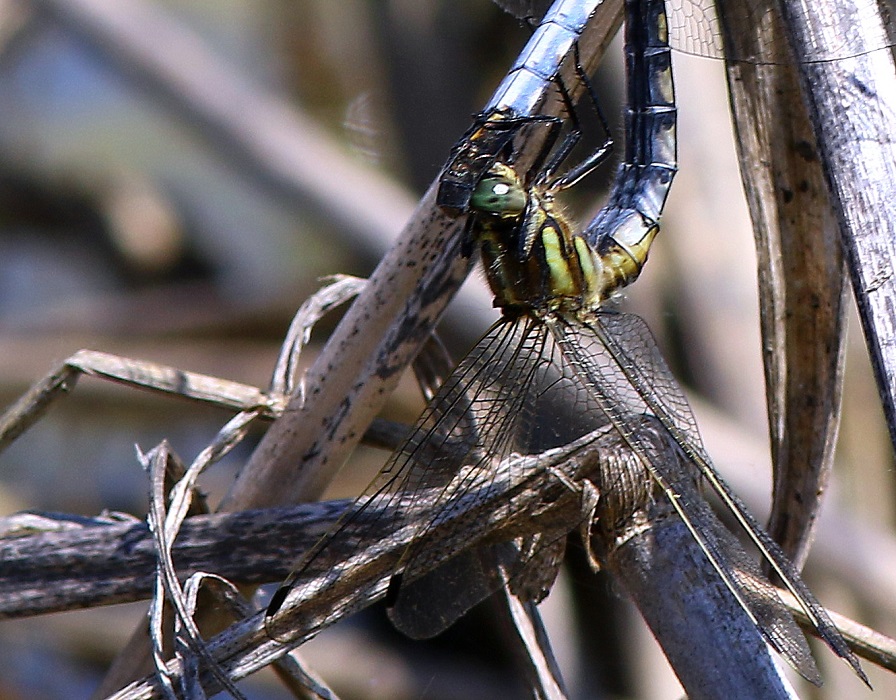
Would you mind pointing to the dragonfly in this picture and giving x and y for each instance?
(557, 343)
(445, 437)
(554, 283)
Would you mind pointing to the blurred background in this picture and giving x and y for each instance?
(176, 177)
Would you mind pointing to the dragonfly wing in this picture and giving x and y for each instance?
(444, 440)
(537, 577)
(515, 390)
(618, 361)
(485, 412)
(752, 589)
(431, 603)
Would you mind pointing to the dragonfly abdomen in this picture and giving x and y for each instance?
(623, 230)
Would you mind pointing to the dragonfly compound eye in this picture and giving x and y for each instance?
(499, 195)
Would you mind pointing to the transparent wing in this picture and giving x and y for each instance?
(694, 28)
(518, 396)
(485, 411)
(617, 359)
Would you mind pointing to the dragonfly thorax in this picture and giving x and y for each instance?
(533, 261)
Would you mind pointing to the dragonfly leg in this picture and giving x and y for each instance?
(590, 496)
(597, 156)
(395, 582)
(555, 125)
(468, 239)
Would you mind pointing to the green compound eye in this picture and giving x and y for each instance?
(499, 195)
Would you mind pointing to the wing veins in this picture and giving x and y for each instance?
(635, 374)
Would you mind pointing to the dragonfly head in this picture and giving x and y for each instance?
(500, 193)
(532, 261)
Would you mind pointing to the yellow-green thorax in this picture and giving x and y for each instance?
(533, 260)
